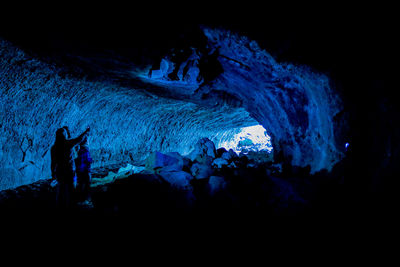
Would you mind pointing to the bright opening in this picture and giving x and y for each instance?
(253, 138)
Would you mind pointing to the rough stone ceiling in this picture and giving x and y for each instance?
(127, 123)
(131, 116)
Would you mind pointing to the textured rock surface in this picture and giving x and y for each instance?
(178, 179)
(201, 170)
(127, 123)
(295, 104)
(219, 162)
(203, 148)
(164, 162)
(129, 119)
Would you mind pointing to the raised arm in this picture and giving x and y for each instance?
(79, 139)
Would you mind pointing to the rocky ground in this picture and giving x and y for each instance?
(208, 183)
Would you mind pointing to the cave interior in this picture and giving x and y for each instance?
(220, 117)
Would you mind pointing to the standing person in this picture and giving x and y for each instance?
(75, 150)
(74, 155)
(63, 165)
(83, 171)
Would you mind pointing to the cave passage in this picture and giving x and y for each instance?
(203, 121)
(301, 108)
(218, 88)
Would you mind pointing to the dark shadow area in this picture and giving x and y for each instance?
(268, 192)
(355, 53)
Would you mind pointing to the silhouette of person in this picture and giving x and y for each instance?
(75, 152)
(63, 165)
(83, 171)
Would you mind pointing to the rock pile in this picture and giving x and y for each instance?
(208, 172)
(214, 185)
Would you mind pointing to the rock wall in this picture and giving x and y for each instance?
(295, 104)
(38, 98)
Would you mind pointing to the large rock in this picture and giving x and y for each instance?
(130, 169)
(204, 159)
(204, 147)
(158, 162)
(229, 155)
(221, 151)
(201, 171)
(219, 163)
(178, 179)
(182, 160)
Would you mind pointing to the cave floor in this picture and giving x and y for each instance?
(250, 193)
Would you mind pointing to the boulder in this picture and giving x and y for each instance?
(226, 156)
(204, 159)
(229, 155)
(177, 179)
(204, 147)
(216, 184)
(174, 155)
(182, 160)
(201, 171)
(129, 170)
(220, 151)
(158, 162)
(233, 153)
(219, 162)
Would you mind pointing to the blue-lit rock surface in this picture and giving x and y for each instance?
(133, 114)
(295, 104)
(127, 124)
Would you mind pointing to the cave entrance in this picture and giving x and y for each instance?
(245, 139)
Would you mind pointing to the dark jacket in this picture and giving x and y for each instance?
(83, 161)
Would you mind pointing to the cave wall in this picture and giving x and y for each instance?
(295, 104)
(38, 98)
(298, 106)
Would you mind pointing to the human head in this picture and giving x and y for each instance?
(61, 135)
(68, 132)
